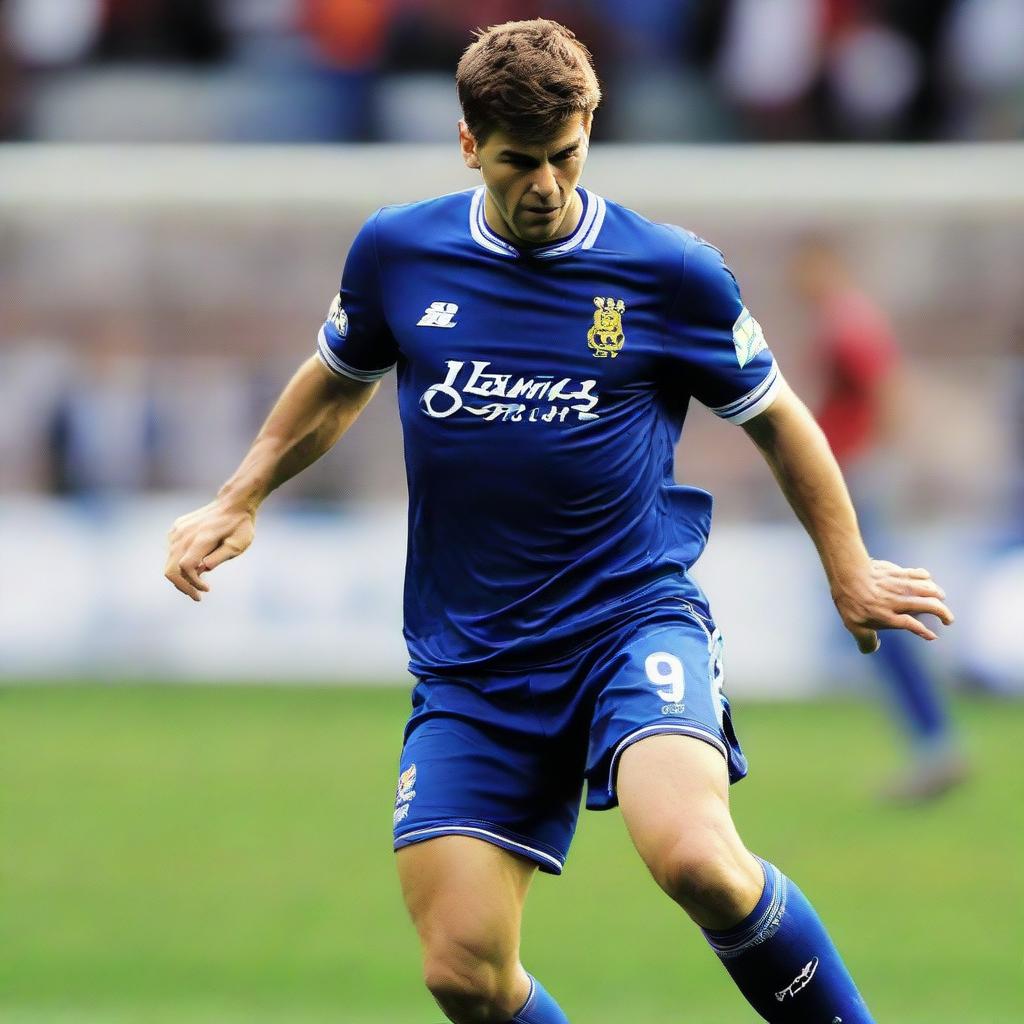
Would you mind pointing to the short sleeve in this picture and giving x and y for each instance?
(355, 340)
(714, 343)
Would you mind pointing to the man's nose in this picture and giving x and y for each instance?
(544, 184)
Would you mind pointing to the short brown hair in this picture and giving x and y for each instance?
(525, 78)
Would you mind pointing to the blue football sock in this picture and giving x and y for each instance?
(539, 1007)
(783, 961)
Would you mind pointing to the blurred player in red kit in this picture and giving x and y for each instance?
(859, 415)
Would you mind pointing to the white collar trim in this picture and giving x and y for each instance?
(583, 237)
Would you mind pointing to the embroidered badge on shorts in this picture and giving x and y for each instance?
(405, 793)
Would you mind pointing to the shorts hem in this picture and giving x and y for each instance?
(608, 798)
(548, 862)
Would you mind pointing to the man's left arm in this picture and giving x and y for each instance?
(869, 594)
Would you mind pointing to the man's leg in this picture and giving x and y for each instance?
(673, 791)
(465, 897)
(915, 698)
(921, 710)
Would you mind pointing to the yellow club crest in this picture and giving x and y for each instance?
(605, 338)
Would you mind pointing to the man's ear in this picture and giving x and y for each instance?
(467, 143)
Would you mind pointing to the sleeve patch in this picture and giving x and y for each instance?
(338, 317)
(748, 337)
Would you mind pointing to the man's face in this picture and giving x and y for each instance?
(531, 185)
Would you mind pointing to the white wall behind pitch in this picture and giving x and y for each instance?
(318, 598)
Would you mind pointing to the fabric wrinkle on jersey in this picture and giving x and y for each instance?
(542, 393)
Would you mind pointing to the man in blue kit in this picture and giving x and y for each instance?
(547, 343)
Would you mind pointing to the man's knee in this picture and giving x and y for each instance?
(471, 981)
(713, 880)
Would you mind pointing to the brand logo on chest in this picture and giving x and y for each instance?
(439, 314)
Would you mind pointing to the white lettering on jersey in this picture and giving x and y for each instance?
(439, 314)
(555, 398)
(748, 337)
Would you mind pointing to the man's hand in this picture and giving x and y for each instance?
(882, 595)
(314, 410)
(201, 540)
(869, 594)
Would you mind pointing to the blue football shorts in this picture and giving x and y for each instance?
(503, 756)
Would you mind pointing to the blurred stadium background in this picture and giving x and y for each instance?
(216, 853)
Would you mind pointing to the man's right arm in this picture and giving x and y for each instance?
(314, 410)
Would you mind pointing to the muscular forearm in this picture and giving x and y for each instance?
(312, 413)
(802, 462)
(314, 410)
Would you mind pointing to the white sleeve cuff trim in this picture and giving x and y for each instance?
(754, 401)
(341, 368)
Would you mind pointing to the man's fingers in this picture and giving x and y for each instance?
(200, 541)
(867, 640)
(172, 572)
(927, 606)
(915, 574)
(912, 625)
(894, 598)
(218, 556)
(189, 569)
(916, 588)
(183, 571)
(182, 584)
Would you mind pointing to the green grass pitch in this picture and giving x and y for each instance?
(220, 855)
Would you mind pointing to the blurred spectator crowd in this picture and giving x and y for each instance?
(369, 70)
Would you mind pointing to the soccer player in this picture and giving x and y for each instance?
(858, 414)
(547, 343)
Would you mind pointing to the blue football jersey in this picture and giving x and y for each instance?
(542, 392)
